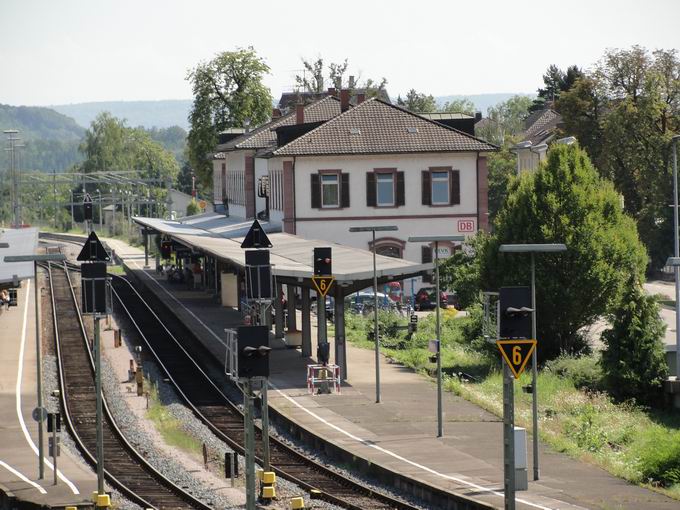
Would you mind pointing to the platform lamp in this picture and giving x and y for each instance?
(436, 240)
(51, 257)
(374, 229)
(533, 249)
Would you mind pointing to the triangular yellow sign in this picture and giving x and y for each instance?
(323, 284)
(516, 354)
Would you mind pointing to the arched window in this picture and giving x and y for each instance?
(389, 247)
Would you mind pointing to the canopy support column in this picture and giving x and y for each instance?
(278, 311)
(339, 318)
(306, 323)
(292, 316)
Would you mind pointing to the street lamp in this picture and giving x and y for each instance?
(100, 210)
(533, 248)
(676, 253)
(436, 240)
(373, 229)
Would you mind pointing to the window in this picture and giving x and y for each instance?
(440, 188)
(388, 250)
(388, 247)
(330, 190)
(385, 189)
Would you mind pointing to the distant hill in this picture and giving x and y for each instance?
(51, 139)
(148, 114)
(482, 101)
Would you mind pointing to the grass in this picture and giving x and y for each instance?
(115, 269)
(635, 443)
(168, 426)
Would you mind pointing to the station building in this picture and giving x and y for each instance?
(330, 165)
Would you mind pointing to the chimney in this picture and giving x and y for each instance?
(478, 116)
(361, 97)
(351, 82)
(332, 91)
(276, 113)
(299, 114)
(344, 100)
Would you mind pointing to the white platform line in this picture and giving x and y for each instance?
(478, 488)
(20, 373)
(23, 477)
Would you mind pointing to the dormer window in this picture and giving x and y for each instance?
(412, 130)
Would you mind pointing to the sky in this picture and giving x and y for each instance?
(71, 51)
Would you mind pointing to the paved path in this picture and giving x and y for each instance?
(18, 430)
(399, 433)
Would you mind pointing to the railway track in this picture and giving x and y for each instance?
(215, 409)
(125, 468)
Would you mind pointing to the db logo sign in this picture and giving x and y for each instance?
(466, 225)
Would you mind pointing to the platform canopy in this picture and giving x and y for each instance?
(291, 255)
(23, 241)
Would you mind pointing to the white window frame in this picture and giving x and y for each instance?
(336, 176)
(393, 186)
(440, 179)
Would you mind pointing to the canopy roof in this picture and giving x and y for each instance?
(291, 255)
(21, 242)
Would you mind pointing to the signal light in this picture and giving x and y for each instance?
(322, 261)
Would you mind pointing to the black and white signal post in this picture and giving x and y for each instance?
(87, 212)
(248, 354)
(96, 301)
(516, 347)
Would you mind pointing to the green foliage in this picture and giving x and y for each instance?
(502, 168)
(313, 79)
(555, 83)
(227, 90)
(583, 371)
(459, 106)
(173, 139)
(505, 120)
(658, 456)
(624, 114)
(634, 358)
(462, 271)
(565, 201)
(418, 102)
(192, 208)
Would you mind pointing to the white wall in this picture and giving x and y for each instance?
(236, 162)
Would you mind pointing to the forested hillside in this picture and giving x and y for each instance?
(51, 139)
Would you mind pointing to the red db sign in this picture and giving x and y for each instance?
(466, 225)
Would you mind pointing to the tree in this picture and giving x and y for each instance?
(505, 120)
(313, 81)
(634, 359)
(625, 113)
(564, 201)
(555, 82)
(502, 169)
(460, 106)
(227, 90)
(418, 102)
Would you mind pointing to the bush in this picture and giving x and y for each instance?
(192, 208)
(582, 371)
(658, 456)
(634, 359)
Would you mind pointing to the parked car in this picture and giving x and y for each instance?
(426, 299)
(360, 301)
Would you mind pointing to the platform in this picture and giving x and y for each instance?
(18, 430)
(399, 434)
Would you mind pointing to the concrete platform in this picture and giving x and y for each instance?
(398, 435)
(18, 430)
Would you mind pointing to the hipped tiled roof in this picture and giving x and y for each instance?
(264, 136)
(376, 127)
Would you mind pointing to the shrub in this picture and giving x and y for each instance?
(634, 359)
(583, 371)
(658, 456)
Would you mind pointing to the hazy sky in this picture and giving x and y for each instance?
(67, 51)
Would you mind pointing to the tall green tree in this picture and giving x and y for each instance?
(505, 120)
(564, 201)
(555, 82)
(418, 102)
(634, 358)
(460, 106)
(227, 90)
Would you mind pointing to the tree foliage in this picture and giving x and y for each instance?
(459, 106)
(110, 145)
(624, 113)
(418, 102)
(565, 201)
(313, 78)
(555, 82)
(505, 120)
(227, 90)
(634, 359)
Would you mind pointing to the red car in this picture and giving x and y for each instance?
(426, 299)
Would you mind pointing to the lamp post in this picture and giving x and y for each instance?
(100, 209)
(52, 257)
(676, 253)
(436, 240)
(533, 248)
(72, 220)
(373, 229)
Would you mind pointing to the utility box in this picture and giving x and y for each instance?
(521, 471)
